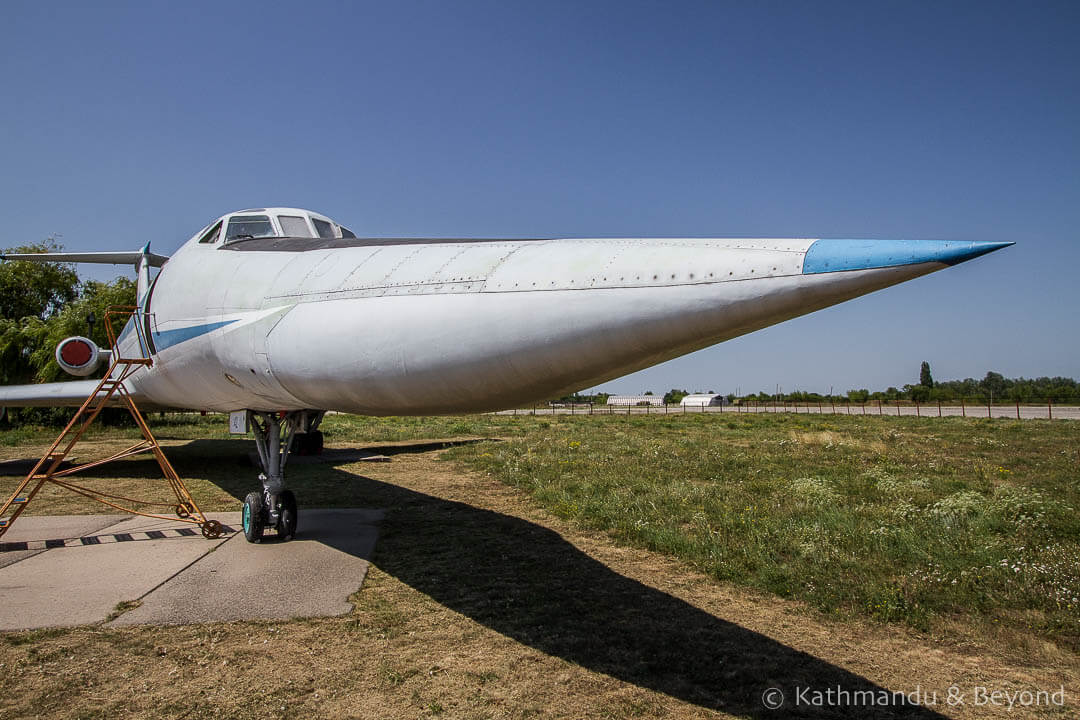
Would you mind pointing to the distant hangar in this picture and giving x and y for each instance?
(692, 400)
(702, 400)
(635, 400)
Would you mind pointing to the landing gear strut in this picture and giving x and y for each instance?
(274, 506)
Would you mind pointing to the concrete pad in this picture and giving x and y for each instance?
(84, 581)
(35, 531)
(180, 576)
(310, 576)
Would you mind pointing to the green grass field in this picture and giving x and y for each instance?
(923, 522)
(900, 519)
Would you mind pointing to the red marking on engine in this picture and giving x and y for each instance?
(76, 353)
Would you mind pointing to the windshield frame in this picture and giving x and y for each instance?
(255, 220)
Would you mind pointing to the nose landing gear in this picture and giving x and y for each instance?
(274, 506)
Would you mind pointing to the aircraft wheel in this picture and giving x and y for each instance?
(286, 525)
(252, 517)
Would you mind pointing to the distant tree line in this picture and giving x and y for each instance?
(993, 387)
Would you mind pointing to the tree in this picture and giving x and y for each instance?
(42, 305)
(994, 384)
(858, 396)
(94, 299)
(30, 289)
(674, 396)
(917, 393)
(925, 379)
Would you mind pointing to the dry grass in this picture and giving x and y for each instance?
(831, 438)
(481, 604)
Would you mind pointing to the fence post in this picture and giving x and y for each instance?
(963, 410)
(988, 409)
(939, 408)
(1050, 408)
(1017, 409)
(917, 413)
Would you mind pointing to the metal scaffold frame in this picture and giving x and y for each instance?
(47, 469)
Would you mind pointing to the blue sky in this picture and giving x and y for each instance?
(129, 122)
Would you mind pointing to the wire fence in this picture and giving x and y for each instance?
(1042, 410)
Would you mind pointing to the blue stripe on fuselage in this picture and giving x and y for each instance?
(168, 338)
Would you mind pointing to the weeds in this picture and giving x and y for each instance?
(899, 519)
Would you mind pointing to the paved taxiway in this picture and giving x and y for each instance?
(77, 570)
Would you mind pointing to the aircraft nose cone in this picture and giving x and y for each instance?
(836, 255)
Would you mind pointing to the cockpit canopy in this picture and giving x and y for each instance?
(272, 222)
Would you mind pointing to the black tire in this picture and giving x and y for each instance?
(309, 443)
(252, 517)
(286, 525)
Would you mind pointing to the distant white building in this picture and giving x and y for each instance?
(703, 400)
(635, 400)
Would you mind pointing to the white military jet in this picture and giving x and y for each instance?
(286, 314)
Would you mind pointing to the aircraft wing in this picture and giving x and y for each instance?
(57, 394)
(107, 258)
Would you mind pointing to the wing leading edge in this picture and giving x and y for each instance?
(57, 394)
(103, 258)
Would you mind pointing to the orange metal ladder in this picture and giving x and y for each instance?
(47, 469)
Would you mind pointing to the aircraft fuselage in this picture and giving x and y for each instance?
(382, 327)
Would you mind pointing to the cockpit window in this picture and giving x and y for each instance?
(325, 229)
(249, 226)
(346, 232)
(294, 226)
(212, 235)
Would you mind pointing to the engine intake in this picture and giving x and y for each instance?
(79, 356)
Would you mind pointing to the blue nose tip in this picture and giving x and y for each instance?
(835, 255)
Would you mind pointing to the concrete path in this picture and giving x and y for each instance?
(57, 571)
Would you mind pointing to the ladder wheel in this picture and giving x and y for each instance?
(211, 529)
(183, 511)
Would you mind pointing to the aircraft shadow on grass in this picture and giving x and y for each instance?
(528, 583)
